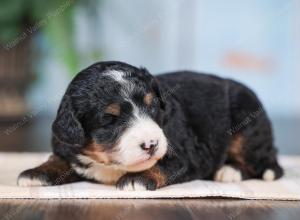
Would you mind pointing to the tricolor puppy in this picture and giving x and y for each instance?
(118, 124)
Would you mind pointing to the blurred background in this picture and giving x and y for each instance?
(45, 43)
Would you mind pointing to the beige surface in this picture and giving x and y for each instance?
(287, 188)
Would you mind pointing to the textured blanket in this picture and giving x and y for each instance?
(11, 164)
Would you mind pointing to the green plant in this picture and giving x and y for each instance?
(21, 18)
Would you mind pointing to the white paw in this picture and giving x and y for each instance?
(228, 174)
(269, 175)
(26, 182)
(134, 186)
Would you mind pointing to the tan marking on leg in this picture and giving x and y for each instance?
(236, 153)
(155, 174)
(56, 168)
(54, 163)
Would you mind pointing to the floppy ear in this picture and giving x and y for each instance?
(155, 86)
(66, 129)
(158, 93)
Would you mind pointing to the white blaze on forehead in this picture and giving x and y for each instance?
(119, 76)
(116, 75)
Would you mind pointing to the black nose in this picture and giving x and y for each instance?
(149, 145)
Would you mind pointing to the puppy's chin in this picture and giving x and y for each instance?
(141, 165)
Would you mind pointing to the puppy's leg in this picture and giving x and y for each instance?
(147, 180)
(162, 174)
(249, 157)
(55, 171)
(251, 149)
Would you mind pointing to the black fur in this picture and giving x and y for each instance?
(200, 114)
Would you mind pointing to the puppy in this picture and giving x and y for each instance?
(118, 124)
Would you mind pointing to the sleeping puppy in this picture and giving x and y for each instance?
(118, 124)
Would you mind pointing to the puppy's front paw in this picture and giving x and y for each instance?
(32, 178)
(135, 182)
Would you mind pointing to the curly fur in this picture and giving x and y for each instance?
(209, 122)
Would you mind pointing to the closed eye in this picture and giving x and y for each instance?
(108, 119)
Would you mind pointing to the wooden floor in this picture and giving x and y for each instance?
(181, 209)
(35, 136)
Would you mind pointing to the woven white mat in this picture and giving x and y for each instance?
(11, 164)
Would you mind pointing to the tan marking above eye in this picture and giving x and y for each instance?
(148, 98)
(113, 109)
